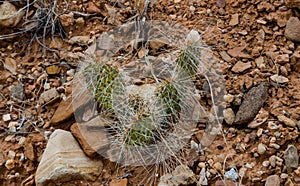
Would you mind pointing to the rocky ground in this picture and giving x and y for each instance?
(255, 41)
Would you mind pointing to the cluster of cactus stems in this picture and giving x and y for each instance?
(145, 130)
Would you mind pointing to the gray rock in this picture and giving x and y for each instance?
(252, 103)
(231, 174)
(48, 96)
(292, 29)
(202, 178)
(63, 160)
(273, 181)
(291, 158)
(17, 92)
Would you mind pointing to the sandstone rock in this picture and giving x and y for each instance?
(9, 15)
(291, 158)
(279, 79)
(63, 160)
(92, 8)
(234, 19)
(90, 136)
(253, 101)
(225, 56)
(63, 112)
(273, 181)
(122, 182)
(241, 67)
(238, 52)
(292, 30)
(289, 122)
(29, 151)
(10, 64)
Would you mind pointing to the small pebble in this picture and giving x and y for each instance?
(265, 163)
(229, 116)
(272, 161)
(250, 165)
(259, 132)
(10, 164)
(274, 145)
(6, 117)
(218, 166)
(272, 125)
(229, 98)
(11, 154)
(231, 174)
(284, 175)
(273, 140)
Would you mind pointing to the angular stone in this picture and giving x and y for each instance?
(63, 112)
(291, 158)
(63, 160)
(91, 136)
(292, 29)
(289, 122)
(234, 19)
(48, 96)
(10, 64)
(279, 79)
(17, 92)
(241, 67)
(253, 101)
(225, 56)
(273, 181)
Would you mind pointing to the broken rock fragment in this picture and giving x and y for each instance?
(63, 160)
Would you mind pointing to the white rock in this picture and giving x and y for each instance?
(229, 116)
(279, 79)
(261, 148)
(6, 117)
(229, 98)
(63, 160)
(11, 154)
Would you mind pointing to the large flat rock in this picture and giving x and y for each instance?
(63, 160)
